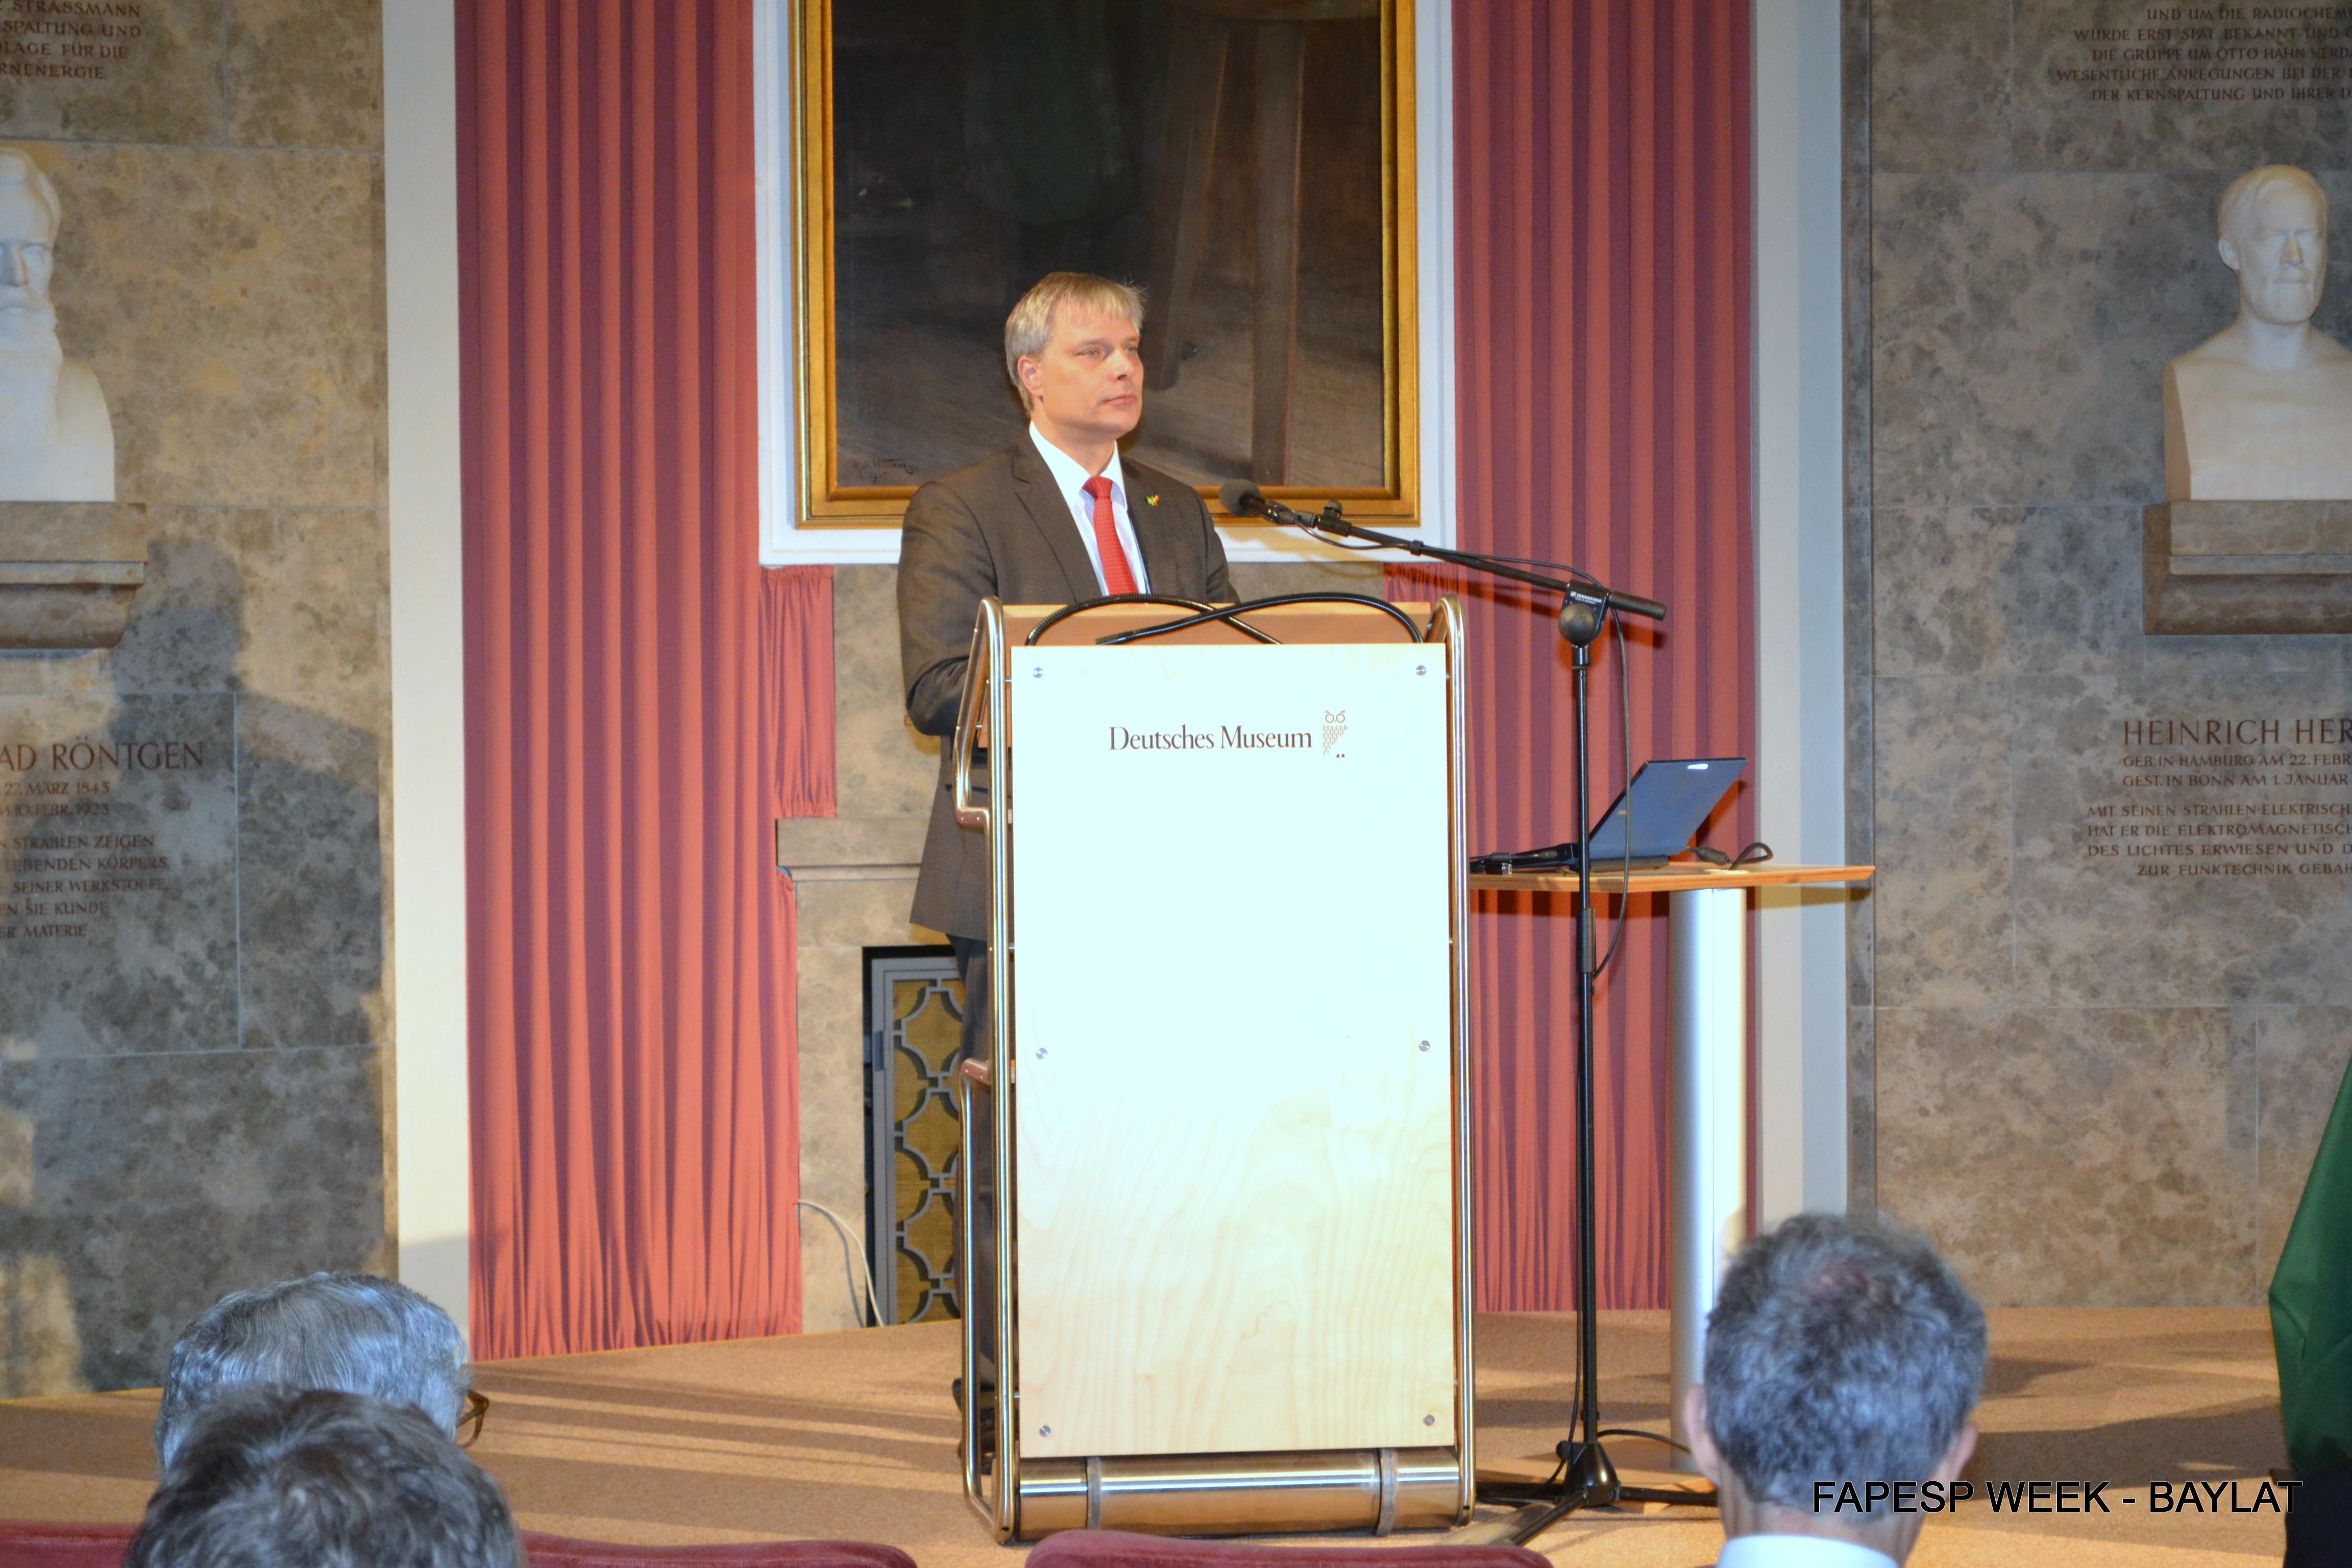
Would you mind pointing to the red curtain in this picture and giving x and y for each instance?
(634, 1128)
(1603, 270)
(796, 686)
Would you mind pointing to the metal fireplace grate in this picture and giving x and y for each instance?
(914, 1022)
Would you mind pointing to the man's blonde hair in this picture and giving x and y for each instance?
(1030, 327)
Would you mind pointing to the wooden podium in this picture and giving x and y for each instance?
(1224, 1282)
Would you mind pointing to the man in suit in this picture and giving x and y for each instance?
(1844, 1358)
(1056, 518)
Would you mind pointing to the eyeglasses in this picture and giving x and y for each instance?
(1750, 856)
(470, 1424)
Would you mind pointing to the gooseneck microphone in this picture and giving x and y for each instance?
(1243, 499)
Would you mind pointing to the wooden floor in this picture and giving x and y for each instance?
(851, 1435)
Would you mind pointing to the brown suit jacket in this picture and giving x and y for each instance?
(1000, 527)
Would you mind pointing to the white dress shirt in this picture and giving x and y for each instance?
(1071, 478)
(1798, 1552)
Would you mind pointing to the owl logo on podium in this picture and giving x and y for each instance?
(1334, 726)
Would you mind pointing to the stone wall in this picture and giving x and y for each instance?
(2095, 1036)
(194, 1059)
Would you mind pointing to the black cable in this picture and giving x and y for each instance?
(1182, 603)
(1647, 1436)
(1337, 543)
(1227, 613)
(1551, 565)
(1624, 789)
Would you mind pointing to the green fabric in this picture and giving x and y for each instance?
(2311, 1305)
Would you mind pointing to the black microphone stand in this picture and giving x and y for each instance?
(1590, 1479)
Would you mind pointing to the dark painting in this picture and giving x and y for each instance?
(1233, 157)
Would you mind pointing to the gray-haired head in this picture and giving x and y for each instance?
(355, 1333)
(282, 1478)
(1839, 1351)
(1030, 327)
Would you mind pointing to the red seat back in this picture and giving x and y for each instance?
(1118, 1549)
(558, 1552)
(65, 1545)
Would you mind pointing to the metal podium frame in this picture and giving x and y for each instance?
(1377, 1489)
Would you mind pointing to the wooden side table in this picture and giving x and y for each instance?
(1707, 945)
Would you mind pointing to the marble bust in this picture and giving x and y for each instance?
(56, 439)
(2263, 409)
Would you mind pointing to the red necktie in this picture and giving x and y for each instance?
(1118, 576)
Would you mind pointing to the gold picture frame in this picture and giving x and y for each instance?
(1245, 35)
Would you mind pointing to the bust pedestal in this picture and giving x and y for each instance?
(2246, 567)
(66, 606)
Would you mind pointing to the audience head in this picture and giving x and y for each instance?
(1839, 1351)
(353, 1332)
(280, 1477)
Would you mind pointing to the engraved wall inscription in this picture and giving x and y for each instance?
(2206, 54)
(119, 875)
(2208, 796)
(80, 855)
(68, 40)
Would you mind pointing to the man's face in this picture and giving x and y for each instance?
(1089, 379)
(25, 315)
(2280, 250)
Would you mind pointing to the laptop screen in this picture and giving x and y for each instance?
(1663, 807)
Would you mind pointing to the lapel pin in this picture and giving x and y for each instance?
(1151, 501)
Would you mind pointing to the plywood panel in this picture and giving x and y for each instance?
(1235, 1187)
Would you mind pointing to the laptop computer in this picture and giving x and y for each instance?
(1654, 820)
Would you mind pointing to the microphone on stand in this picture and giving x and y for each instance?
(1586, 602)
(1244, 499)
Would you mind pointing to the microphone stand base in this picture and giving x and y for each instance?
(1592, 1482)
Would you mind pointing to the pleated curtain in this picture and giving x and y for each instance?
(797, 700)
(630, 730)
(1603, 278)
(629, 736)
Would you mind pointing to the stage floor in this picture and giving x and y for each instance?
(851, 1435)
